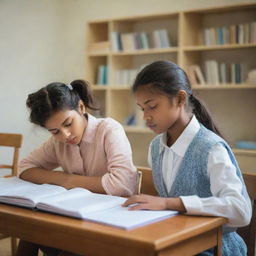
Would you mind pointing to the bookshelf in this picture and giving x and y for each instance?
(232, 104)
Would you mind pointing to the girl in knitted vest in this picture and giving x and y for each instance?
(194, 169)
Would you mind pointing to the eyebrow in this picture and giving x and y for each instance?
(54, 129)
(147, 101)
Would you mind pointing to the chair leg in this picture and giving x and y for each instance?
(14, 245)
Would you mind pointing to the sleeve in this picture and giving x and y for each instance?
(226, 187)
(42, 157)
(121, 175)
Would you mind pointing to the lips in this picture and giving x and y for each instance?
(150, 125)
(72, 141)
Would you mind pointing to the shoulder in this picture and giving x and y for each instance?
(110, 123)
(51, 142)
(206, 139)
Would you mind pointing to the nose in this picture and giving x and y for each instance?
(147, 117)
(65, 134)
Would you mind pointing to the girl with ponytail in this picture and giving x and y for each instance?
(94, 153)
(193, 168)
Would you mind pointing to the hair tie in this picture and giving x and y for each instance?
(70, 87)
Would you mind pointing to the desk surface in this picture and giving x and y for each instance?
(95, 239)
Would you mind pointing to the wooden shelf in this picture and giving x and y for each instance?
(248, 152)
(111, 87)
(137, 129)
(223, 87)
(232, 106)
(103, 54)
(217, 47)
(145, 52)
(100, 87)
(194, 87)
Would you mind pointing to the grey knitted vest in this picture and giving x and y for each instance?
(192, 179)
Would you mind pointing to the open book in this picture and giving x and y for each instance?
(77, 202)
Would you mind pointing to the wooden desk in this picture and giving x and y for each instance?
(179, 235)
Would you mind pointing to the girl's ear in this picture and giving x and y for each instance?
(182, 95)
(81, 107)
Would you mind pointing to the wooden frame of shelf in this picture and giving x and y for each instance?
(185, 29)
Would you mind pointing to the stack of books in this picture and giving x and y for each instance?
(234, 34)
(77, 203)
(217, 73)
(140, 40)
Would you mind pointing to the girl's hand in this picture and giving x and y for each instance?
(146, 202)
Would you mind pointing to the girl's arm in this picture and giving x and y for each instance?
(147, 202)
(68, 181)
(120, 178)
(226, 187)
(39, 167)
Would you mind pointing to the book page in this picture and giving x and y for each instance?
(26, 194)
(12, 183)
(78, 202)
(121, 217)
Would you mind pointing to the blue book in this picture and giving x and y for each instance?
(245, 144)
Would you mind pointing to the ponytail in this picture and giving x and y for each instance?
(58, 96)
(203, 115)
(85, 93)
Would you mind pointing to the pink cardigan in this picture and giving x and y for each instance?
(104, 151)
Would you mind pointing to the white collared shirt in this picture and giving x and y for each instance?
(227, 200)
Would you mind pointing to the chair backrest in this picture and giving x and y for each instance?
(11, 140)
(146, 184)
(248, 233)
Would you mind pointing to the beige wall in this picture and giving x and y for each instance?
(42, 41)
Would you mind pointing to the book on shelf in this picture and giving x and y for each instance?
(125, 76)
(191, 75)
(77, 203)
(102, 75)
(140, 40)
(245, 144)
(234, 34)
(251, 77)
(116, 44)
(224, 73)
(195, 75)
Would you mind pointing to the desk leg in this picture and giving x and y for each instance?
(218, 248)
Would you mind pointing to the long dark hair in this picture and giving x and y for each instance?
(168, 78)
(58, 96)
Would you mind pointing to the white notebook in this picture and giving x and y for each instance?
(77, 202)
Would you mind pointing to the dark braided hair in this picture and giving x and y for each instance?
(58, 96)
(168, 78)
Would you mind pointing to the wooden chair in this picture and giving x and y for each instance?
(11, 140)
(248, 233)
(145, 184)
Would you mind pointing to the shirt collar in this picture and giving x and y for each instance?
(90, 130)
(181, 144)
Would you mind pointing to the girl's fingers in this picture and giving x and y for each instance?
(139, 207)
(133, 200)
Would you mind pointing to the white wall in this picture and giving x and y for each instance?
(42, 41)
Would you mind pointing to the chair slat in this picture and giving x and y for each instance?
(10, 140)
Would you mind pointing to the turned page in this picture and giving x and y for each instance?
(78, 202)
(122, 217)
(22, 193)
